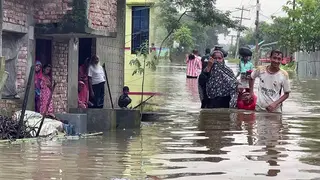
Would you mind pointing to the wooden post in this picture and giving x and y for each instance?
(109, 90)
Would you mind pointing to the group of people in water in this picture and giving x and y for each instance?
(219, 87)
(91, 87)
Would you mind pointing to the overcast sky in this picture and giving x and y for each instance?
(268, 8)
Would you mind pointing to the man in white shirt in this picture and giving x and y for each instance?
(273, 82)
(97, 80)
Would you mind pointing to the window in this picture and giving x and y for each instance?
(140, 27)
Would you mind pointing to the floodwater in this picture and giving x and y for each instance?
(187, 144)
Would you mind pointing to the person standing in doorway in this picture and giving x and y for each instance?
(83, 85)
(46, 85)
(37, 88)
(97, 81)
(273, 81)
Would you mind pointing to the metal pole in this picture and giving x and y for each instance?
(107, 80)
(238, 34)
(25, 99)
(257, 34)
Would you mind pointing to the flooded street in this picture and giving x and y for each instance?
(188, 144)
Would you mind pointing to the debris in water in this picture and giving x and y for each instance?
(9, 129)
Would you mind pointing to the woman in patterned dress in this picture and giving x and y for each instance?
(46, 85)
(221, 83)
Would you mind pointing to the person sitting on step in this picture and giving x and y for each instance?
(124, 99)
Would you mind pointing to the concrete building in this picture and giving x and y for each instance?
(62, 33)
(140, 27)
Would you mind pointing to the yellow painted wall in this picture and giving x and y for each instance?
(134, 82)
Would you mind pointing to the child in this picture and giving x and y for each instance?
(246, 101)
(124, 99)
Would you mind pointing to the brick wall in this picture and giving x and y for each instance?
(8, 107)
(22, 64)
(102, 15)
(50, 11)
(15, 11)
(60, 74)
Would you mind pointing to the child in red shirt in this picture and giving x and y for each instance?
(246, 101)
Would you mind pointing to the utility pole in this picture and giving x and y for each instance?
(257, 34)
(238, 35)
(232, 38)
(294, 7)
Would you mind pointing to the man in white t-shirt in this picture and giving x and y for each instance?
(97, 80)
(274, 85)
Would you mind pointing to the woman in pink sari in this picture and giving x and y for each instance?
(83, 94)
(45, 92)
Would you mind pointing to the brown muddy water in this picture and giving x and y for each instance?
(188, 144)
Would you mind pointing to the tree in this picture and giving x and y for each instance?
(202, 12)
(303, 30)
(184, 37)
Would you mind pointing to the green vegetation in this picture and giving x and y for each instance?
(298, 31)
(289, 67)
(201, 21)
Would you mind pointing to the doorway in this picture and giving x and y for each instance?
(85, 49)
(44, 51)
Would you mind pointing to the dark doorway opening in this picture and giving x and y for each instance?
(85, 49)
(44, 51)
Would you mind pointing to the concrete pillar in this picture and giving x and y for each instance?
(73, 63)
(1, 22)
(31, 58)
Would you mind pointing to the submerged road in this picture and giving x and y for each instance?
(188, 144)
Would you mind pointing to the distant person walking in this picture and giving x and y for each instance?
(245, 68)
(97, 81)
(194, 65)
(205, 58)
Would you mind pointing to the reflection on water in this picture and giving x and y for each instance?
(188, 144)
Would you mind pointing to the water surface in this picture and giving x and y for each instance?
(187, 144)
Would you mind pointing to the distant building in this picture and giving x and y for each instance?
(140, 27)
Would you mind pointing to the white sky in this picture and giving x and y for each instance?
(268, 8)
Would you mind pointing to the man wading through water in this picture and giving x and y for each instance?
(272, 81)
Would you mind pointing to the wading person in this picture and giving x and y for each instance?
(97, 80)
(221, 83)
(205, 58)
(37, 87)
(202, 81)
(193, 66)
(124, 99)
(245, 69)
(273, 82)
(46, 85)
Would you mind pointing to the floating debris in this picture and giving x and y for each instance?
(9, 129)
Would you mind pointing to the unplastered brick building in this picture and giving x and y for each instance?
(62, 33)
